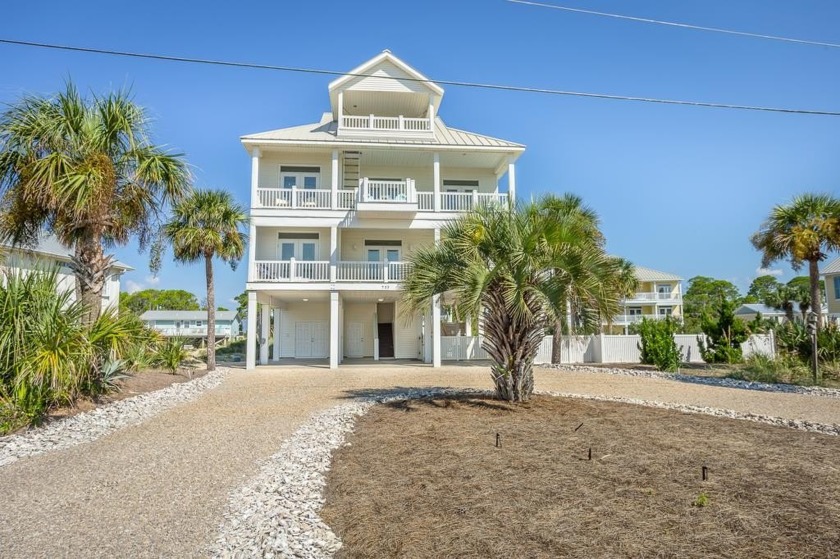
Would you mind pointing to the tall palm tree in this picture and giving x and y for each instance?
(804, 230)
(782, 298)
(86, 170)
(208, 224)
(625, 281)
(509, 267)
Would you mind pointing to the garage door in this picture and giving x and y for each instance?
(311, 339)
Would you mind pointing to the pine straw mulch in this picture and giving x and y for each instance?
(424, 478)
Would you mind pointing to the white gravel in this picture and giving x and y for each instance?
(89, 426)
(709, 381)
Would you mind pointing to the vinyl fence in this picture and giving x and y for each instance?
(598, 348)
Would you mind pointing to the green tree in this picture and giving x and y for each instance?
(208, 224)
(760, 288)
(724, 334)
(512, 268)
(803, 231)
(657, 345)
(704, 294)
(802, 287)
(158, 299)
(783, 298)
(85, 170)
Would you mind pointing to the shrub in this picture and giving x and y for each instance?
(724, 335)
(785, 369)
(657, 344)
(171, 354)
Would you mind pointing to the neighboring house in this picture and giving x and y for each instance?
(50, 252)
(831, 273)
(191, 324)
(749, 311)
(338, 206)
(659, 295)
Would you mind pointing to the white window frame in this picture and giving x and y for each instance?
(298, 244)
(383, 253)
(634, 311)
(668, 311)
(299, 175)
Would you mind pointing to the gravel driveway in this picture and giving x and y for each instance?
(159, 488)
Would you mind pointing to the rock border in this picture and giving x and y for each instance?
(92, 425)
(276, 512)
(695, 379)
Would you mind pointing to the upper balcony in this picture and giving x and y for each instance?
(376, 195)
(652, 297)
(352, 125)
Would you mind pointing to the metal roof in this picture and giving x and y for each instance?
(648, 274)
(49, 245)
(833, 267)
(186, 315)
(326, 131)
(755, 308)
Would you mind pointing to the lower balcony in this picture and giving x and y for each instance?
(319, 271)
(625, 319)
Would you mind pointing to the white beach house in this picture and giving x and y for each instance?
(338, 205)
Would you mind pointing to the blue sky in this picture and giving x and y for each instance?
(678, 189)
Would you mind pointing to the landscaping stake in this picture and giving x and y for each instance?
(579, 426)
(705, 472)
(498, 441)
(590, 453)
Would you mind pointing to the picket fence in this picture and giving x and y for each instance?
(598, 348)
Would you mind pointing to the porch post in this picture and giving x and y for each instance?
(277, 319)
(333, 252)
(511, 180)
(436, 331)
(436, 173)
(255, 175)
(266, 318)
(334, 181)
(252, 252)
(340, 110)
(251, 334)
(334, 323)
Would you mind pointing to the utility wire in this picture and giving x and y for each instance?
(676, 24)
(497, 87)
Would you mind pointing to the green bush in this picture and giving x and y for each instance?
(171, 354)
(49, 356)
(781, 370)
(724, 335)
(657, 344)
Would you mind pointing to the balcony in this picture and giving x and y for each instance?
(374, 195)
(652, 297)
(350, 125)
(319, 272)
(626, 319)
(190, 331)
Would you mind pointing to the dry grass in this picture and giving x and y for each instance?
(425, 479)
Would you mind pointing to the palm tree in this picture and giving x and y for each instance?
(86, 170)
(804, 230)
(782, 298)
(207, 225)
(625, 281)
(511, 267)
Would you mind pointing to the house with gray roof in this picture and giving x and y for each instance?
(191, 324)
(659, 295)
(50, 252)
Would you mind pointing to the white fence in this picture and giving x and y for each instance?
(598, 348)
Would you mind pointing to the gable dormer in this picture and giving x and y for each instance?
(385, 97)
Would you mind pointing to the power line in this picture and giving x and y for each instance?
(676, 24)
(496, 87)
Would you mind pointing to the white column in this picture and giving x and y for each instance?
(255, 175)
(252, 252)
(333, 252)
(251, 334)
(432, 117)
(277, 319)
(340, 110)
(334, 330)
(436, 331)
(334, 182)
(511, 180)
(436, 173)
(266, 317)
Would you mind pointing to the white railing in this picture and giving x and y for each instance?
(386, 123)
(291, 270)
(634, 318)
(426, 201)
(383, 272)
(467, 201)
(387, 191)
(191, 331)
(311, 198)
(346, 199)
(654, 296)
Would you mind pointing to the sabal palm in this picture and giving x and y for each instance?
(86, 170)
(512, 268)
(804, 230)
(783, 298)
(208, 224)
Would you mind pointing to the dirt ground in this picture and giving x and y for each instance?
(426, 479)
(137, 383)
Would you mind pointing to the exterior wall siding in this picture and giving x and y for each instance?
(407, 332)
(353, 241)
(299, 312)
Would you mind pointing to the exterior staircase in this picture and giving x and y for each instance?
(352, 172)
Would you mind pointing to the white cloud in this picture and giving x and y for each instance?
(133, 286)
(768, 272)
(152, 280)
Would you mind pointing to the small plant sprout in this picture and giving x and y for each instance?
(702, 500)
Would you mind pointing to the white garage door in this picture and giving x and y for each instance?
(311, 339)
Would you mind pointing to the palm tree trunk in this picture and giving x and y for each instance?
(557, 342)
(211, 313)
(816, 302)
(90, 266)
